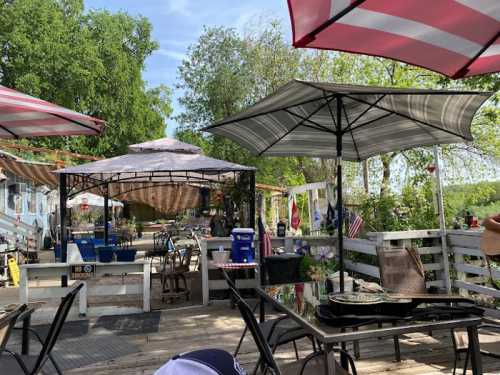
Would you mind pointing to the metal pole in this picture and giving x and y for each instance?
(251, 200)
(106, 214)
(63, 196)
(442, 222)
(340, 238)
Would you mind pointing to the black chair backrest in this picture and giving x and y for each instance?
(253, 326)
(7, 323)
(56, 327)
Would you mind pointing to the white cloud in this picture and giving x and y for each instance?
(175, 55)
(180, 7)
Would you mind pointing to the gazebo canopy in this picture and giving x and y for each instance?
(170, 182)
(165, 144)
(159, 167)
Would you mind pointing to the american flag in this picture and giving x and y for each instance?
(355, 225)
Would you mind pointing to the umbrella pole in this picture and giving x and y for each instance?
(340, 234)
(106, 216)
(63, 196)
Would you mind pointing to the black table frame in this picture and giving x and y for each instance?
(330, 340)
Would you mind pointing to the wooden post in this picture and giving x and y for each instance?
(442, 223)
(365, 176)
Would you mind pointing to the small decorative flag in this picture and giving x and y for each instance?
(295, 220)
(316, 224)
(330, 219)
(355, 225)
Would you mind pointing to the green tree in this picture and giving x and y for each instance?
(223, 74)
(91, 62)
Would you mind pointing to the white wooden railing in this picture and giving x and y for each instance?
(466, 269)
(470, 265)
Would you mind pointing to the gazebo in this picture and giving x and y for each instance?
(150, 174)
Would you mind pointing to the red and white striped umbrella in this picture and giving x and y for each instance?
(24, 116)
(457, 38)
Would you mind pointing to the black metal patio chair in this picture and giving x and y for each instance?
(278, 331)
(7, 323)
(489, 343)
(312, 364)
(15, 363)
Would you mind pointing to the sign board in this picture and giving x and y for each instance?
(82, 272)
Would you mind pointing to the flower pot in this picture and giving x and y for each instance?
(127, 255)
(106, 254)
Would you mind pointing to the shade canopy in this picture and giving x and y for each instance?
(458, 38)
(165, 144)
(24, 116)
(300, 119)
(163, 167)
(38, 172)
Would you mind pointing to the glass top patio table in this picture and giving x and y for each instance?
(299, 301)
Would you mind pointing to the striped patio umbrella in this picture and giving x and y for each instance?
(24, 116)
(349, 122)
(457, 38)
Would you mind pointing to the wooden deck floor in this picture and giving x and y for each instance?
(217, 326)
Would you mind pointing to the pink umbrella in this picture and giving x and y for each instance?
(457, 38)
(23, 116)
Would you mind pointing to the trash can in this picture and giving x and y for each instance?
(242, 250)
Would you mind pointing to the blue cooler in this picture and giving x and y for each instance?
(242, 250)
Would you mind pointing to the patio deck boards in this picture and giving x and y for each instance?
(217, 326)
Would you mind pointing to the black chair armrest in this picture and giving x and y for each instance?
(17, 358)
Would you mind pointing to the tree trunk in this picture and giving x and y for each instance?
(386, 173)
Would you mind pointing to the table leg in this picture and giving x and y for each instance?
(329, 359)
(397, 349)
(262, 310)
(343, 359)
(25, 344)
(146, 287)
(475, 354)
(233, 276)
(356, 345)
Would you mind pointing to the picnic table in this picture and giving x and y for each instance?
(299, 302)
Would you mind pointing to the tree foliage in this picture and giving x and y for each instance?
(225, 72)
(91, 62)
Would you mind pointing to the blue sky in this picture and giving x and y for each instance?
(179, 23)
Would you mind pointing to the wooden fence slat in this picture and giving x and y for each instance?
(429, 250)
(464, 241)
(433, 266)
(467, 251)
(366, 269)
(477, 288)
(476, 270)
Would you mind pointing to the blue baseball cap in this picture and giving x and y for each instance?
(202, 362)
